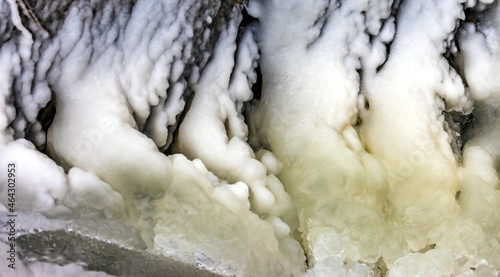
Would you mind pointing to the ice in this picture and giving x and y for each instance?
(87, 194)
(308, 103)
(261, 137)
(401, 125)
(214, 120)
(40, 192)
(202, 218)
(46, 269)
(129, 64)
(480, 196)
(413, 145)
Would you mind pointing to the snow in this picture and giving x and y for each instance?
(347, 158)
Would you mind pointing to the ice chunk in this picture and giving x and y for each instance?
(40, 192)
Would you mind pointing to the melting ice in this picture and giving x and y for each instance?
(263, 138)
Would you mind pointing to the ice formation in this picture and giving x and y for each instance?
(49, 269)
(263, 138)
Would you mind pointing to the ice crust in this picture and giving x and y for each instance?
(49, 269)
(347, 158)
